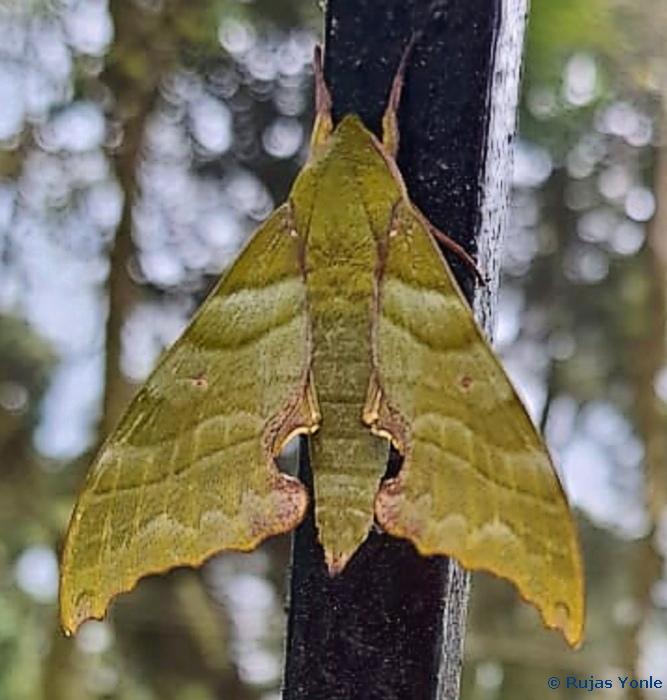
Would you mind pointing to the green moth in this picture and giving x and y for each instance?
(342, 320)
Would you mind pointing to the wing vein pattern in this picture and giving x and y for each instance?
(190, 469)
(477, 482)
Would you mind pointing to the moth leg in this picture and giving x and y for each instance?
(323, 125)
(390, 141)
(390, 132)
(453, 246)
(460, 252)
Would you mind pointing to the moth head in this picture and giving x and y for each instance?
(350, 144)
(351, 127)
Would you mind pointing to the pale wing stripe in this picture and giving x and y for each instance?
(190, 429)
(395, 313)
(245, 318)
(259, 335)
(513, 489)
(178, 473)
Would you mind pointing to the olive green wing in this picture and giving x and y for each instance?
(189, 470)
(477, 482)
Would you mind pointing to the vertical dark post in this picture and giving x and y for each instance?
(391, 626)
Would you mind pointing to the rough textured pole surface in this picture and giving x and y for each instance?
(391, 626)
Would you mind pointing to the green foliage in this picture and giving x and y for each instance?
(556, 30)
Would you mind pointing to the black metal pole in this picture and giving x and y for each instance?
(378, 630)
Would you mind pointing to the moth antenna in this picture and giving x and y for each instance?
(323, 125)
(390, 133)
(459, 251)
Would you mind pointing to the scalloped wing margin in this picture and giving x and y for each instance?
(477, 482)
(189, 470)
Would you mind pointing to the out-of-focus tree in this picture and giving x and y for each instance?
(143, 142)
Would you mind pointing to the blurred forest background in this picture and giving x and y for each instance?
(214, 99)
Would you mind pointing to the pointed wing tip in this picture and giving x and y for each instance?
(572, 630)
(71, 625)
(570, 624)
(86, 607)
(575, 639)
(78, 606)
(565, 616)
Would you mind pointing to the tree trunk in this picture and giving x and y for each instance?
(391, 626)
